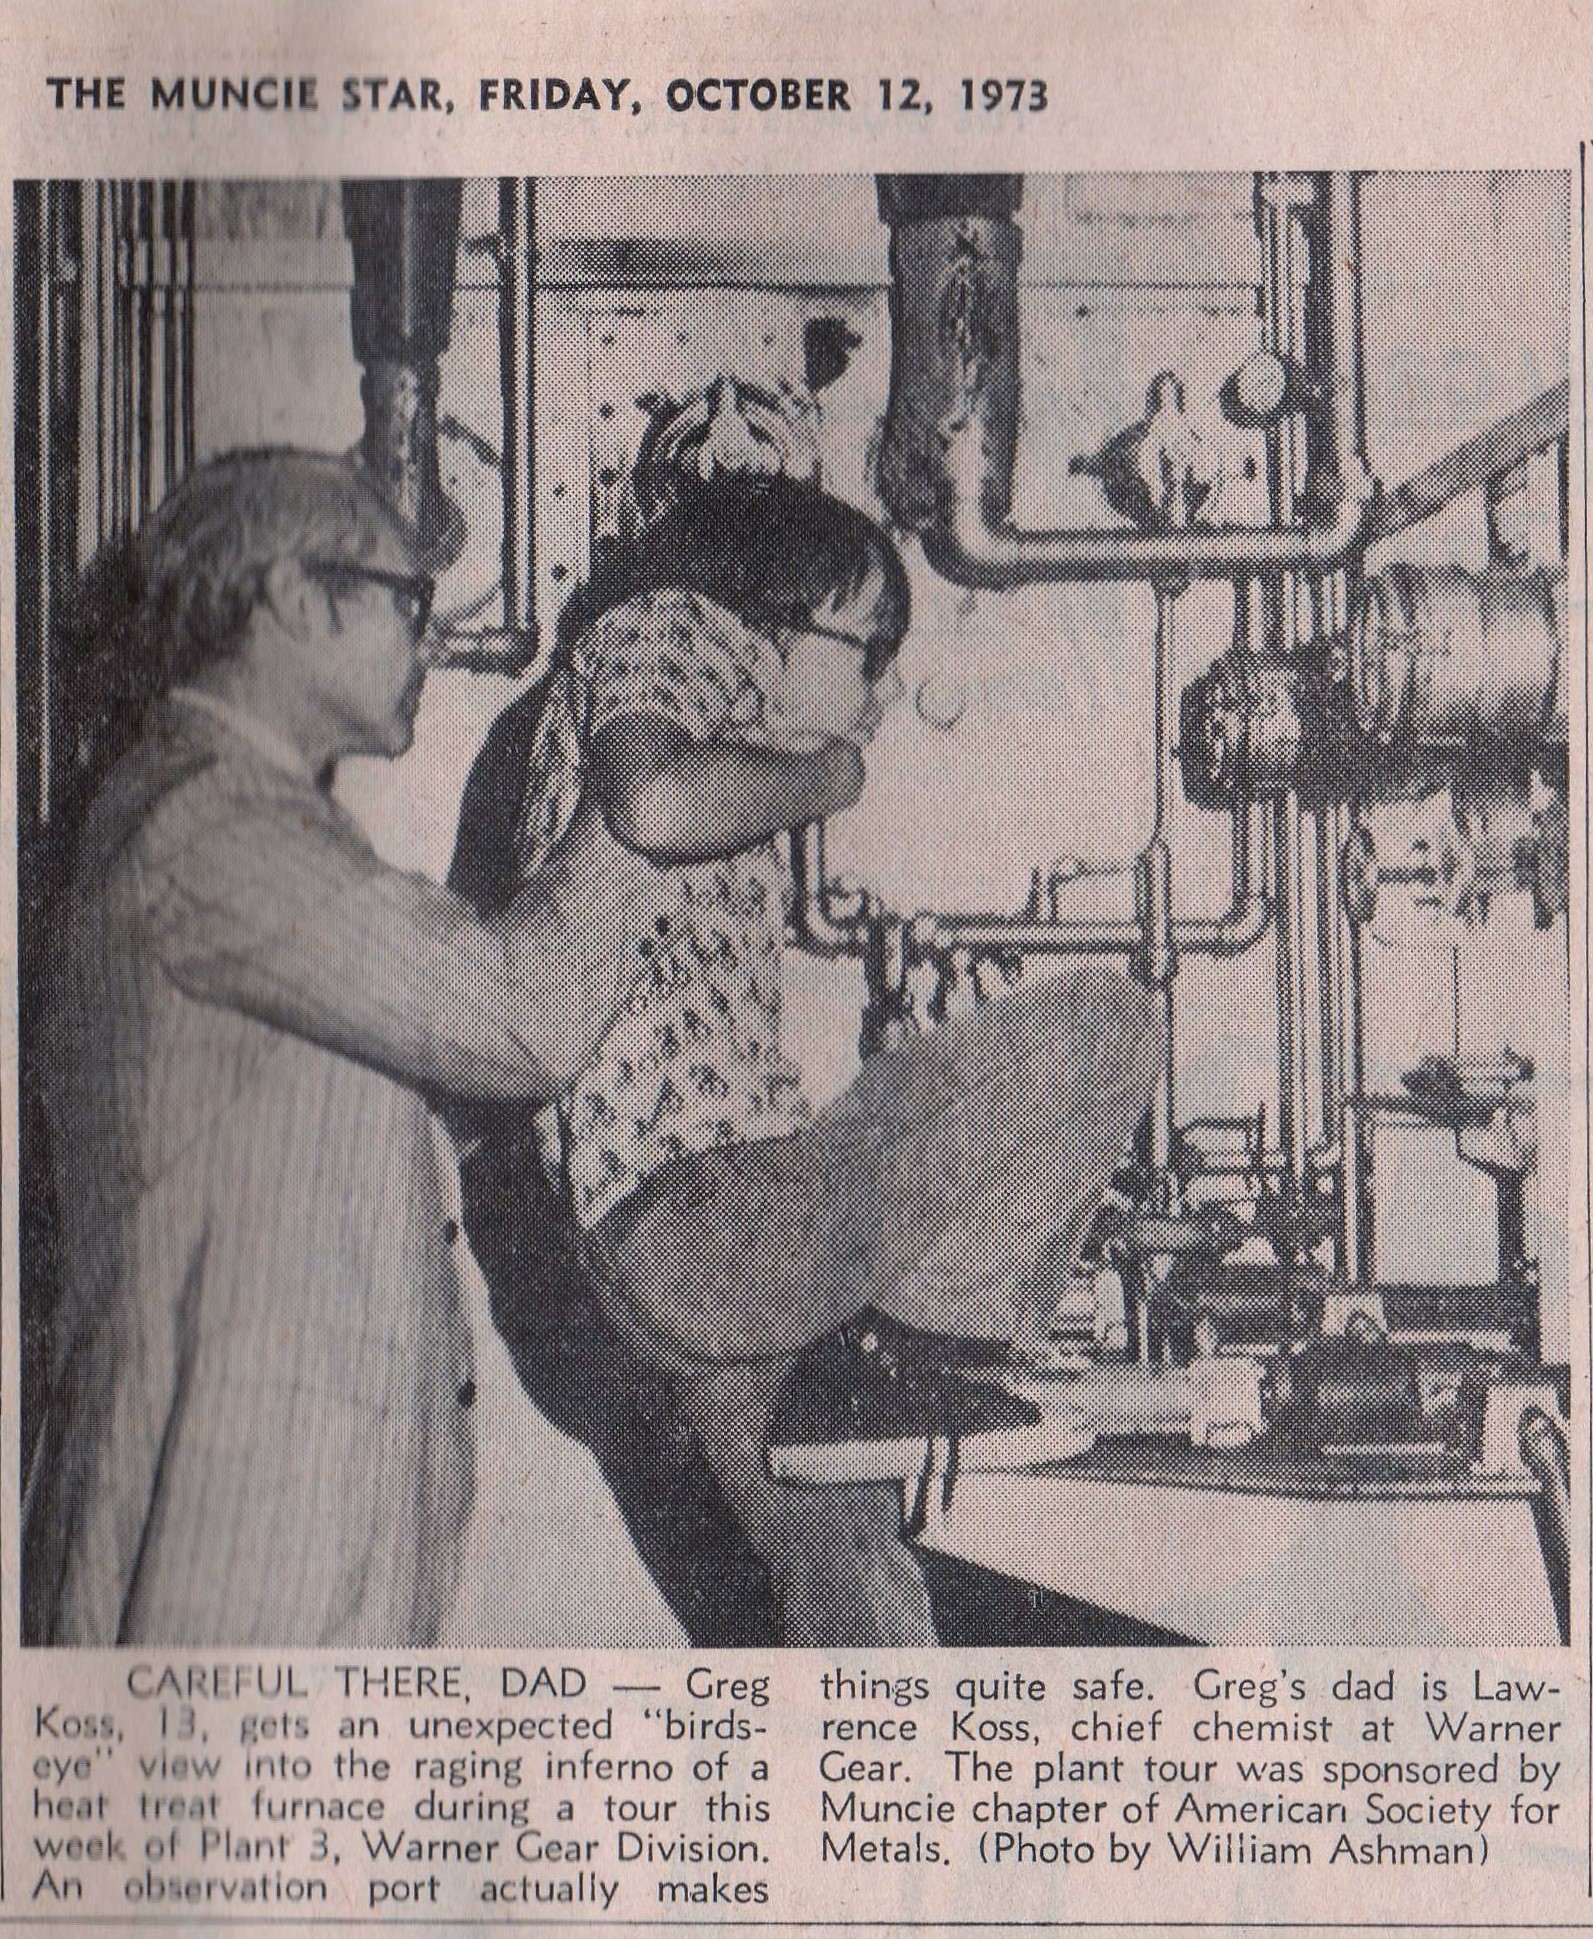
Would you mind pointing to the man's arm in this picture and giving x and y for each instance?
(676, 799)
(280, 910)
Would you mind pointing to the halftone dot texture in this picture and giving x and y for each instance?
(938, 1187)
(669, 284)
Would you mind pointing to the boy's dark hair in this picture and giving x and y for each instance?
(772, 551)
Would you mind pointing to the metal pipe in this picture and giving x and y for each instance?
(820, 927)
(517, 268)
(45, 433)
(171, 326)
(1156, 965)
(126, 356)
(1229, 934)
(967, 538)
(1165, 706)
(404, 236)
(1469, 466)
(1330, 968)
(1292, 1073)
(817, 926)
(96, 481)
(1157, 962)
(1331, 958)
(965, 550)
(1336, 469)
(1071, 936)
(188, 197)
(141, 296)
(1284, 326)
(1355, 1251)
(109, 391)
(1547, 1459)
(1242, 857)
(1237, 929)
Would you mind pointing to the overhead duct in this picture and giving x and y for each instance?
(955, 250)
(405, 237)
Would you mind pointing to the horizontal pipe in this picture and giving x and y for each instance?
(1068, 936)
(964, 549)
(489, 649)
(819, 928)
(1229, 934)
(1470, 466)
(972, 542)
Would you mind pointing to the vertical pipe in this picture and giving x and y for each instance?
(66, 421)
(45, 660)
(1331, 961)
(187, 204)
(142, 271)
(1158, 966)
(1337, 462)
(126, 355)
(1281, 324)
(170, 327)
(1292, 348)
(517, 267)
(1246, 871)
(1354, 1239)
(1165, 709)
(1329, 968)
(1274, 337)
(1162, 1124)
(105, 456)
(1292, 953)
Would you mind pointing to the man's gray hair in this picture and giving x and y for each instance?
(205, 554)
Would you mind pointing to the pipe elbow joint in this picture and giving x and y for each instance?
(1337, 514)
(961, 551)
(1231, 934)
(1244, 925)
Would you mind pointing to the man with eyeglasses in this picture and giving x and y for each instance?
(259, 1427)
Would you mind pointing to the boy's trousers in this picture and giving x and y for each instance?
(951, 1185)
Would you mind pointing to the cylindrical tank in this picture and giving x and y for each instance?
(1442, 658)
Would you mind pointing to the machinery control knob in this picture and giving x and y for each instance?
(1161, 471)
(1438, 869)
(1481, 843)
(1240, 731)
(1264, 389)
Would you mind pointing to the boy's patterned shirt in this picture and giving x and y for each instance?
(694, 1062)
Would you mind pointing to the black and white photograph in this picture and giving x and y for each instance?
(779, 910)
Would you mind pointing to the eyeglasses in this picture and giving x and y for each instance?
(865, 647)
(876, 655)
(414, 592)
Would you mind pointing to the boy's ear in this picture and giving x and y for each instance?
(290, 593)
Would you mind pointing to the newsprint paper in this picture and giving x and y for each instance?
(795, 1004)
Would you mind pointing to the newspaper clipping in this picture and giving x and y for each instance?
(795, 1039)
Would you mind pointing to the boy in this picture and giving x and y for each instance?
(721, 679)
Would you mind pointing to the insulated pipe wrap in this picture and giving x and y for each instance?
(954, 341)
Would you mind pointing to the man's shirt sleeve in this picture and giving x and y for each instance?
(268, 900)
